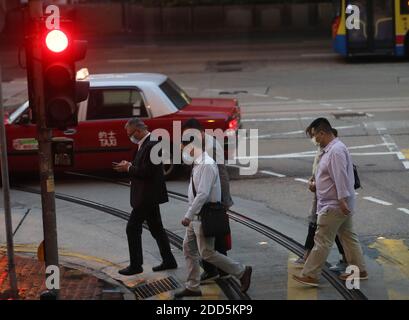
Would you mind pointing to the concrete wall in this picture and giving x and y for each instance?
(114, 18)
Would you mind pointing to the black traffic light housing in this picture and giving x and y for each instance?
(62, 91)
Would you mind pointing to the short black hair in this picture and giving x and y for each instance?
(320, 124)
(192, 123)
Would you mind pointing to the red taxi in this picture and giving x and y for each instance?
(100, 138)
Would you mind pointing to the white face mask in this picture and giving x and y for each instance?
(134, 140)
(187, 158)
(314, 142)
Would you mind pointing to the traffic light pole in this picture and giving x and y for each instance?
(44, 142)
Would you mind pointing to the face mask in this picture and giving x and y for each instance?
(134, 140)
(187, 158)
(314, 142)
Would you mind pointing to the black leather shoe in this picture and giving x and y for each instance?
(246, 279)
(187, 293)
(165, 266)
(130, 271)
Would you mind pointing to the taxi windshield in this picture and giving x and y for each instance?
(175, 94)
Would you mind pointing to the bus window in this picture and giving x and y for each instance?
(404, 6)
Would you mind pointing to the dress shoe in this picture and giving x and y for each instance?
(306, 280)
(165, 266)
(130, 271)
(246, 279)
(187, 293)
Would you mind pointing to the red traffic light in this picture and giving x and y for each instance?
(56, 41)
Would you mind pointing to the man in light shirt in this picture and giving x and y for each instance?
(214, 150)
(206, 180)
(334, 183)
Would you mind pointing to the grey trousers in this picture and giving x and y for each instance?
(329, 224)
(197, 246)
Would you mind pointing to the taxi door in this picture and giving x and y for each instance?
(103, 139)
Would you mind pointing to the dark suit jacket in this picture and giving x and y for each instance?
(147, 180)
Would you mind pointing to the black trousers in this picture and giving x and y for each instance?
(309, 242)
(219, 246)
(150, 214)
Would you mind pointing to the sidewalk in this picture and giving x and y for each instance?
(75, 284)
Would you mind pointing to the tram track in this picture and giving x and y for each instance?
(230, 286)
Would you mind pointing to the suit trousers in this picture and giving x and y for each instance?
(196, 246)
(331, 223)
(150, 214)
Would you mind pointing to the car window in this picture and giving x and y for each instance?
(115, 104)
(175, 94)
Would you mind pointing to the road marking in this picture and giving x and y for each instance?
(326, 104)
(404, 210)
(301, 180)
(270, 173)
(129, 60)
(393, 256)
(310, 155)
(372, 199)
(260, 95)
(271, 135)
(275, 119)
(281, 98)
(392, 146)
(294, 290)
(405, 152)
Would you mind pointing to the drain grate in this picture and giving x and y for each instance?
(156, 287)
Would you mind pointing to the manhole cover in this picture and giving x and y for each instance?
(150, 289)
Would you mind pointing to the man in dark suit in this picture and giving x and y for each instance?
(148, 190)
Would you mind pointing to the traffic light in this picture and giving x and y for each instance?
(62, 91)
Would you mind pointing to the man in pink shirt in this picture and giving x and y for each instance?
(334, 183)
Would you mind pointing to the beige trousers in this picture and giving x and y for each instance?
(331, 223)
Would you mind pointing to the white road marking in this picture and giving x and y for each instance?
(310, 155)
(301, 180)
(270, 173)
(404, 210)
(393, 147)
(276, 119)
(289, 133)
(129, 60)
(326, 104)
(372, 199)
(267, 103)
(260, 95)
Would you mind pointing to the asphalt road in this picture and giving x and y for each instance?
(282, 85)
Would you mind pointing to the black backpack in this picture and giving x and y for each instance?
(357, 183)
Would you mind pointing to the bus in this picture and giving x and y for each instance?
(384, 28)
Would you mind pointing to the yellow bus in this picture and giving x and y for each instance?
(384, 28)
